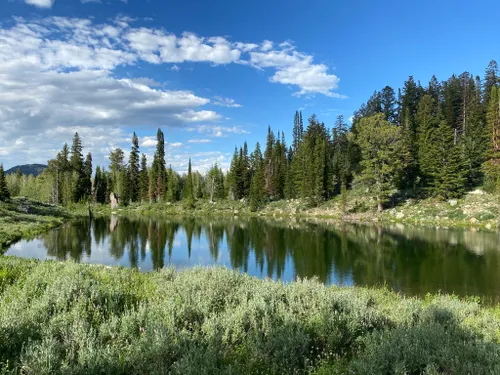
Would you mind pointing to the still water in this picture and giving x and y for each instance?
(410, 260)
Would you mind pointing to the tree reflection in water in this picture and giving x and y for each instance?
(411, 260)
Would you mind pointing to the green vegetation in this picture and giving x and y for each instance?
(64, 318)
(428, 144)
(22, 218)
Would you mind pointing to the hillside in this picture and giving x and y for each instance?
(34, 169)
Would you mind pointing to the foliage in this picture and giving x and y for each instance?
(384, 155)
(68, 318)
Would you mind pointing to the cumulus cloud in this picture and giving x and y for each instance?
(40, 3)
(226, 102)
(62, 73)
(218, 131)
(148, 142)
(199, 141)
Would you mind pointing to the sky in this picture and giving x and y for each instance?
(213, 74)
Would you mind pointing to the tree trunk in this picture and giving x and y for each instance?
(380, 205)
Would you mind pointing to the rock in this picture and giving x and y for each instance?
(477, 192)
(400, 215)
(113, 200)
(453, 202)
(473, 220)
(488, 226)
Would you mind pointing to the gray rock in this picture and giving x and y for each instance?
(453, 202)
(113, 200)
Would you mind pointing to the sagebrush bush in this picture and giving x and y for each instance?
(65, 318)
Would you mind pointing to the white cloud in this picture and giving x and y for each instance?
(199, 141)
(218, 131)
(176, 144)
(295, 68)
(175, 68)
(226, 102)
(148, 142)
(91, 1)
(60, 72)
(40, 3)
(266, 45)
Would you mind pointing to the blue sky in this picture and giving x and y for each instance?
(212, 74)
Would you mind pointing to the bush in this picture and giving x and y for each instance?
(65, 318)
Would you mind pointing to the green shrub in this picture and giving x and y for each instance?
(65, 318)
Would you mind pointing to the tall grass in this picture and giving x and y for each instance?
(23, 218)
(65, 318)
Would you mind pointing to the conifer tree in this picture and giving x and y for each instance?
(384, 155)
(492, 164)
(491, 79)
(173, 185)
(449, 172)
(117, 168)
(4, 192)
(428, 118)
(100, 185)
(144, 179)
(189, 191)
(257, 188)
(158, 171)
(388, 104)
(87, 176)
(133, 170)
(77, 168)
(341, 163)
(268, 161)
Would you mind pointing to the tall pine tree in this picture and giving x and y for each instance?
(134, 170)
(4, 192)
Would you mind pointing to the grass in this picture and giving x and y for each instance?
(474, 210)
(23, 218)
(66, 318)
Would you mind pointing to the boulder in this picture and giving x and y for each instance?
(113, 200)
(453, 202)
(473, 220)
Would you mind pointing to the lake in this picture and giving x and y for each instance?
(411, 260)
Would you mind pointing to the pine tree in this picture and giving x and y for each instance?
(268, 162)
(298, 130)
(100, 185)
(341, 162)
(173, 185)
(449, 174)
(133, 170)
(4, 192)
(189, 191)
(388, 104)
(144, 179)
(245, 172)
(492, 164)
(117, 167)
(257, 188)
(410, 98)
(87, 176)
(158, 170)
(77, 168)
(428, 118)
(384, 155)
(491, 79)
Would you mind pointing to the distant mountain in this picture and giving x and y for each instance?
(34, 169)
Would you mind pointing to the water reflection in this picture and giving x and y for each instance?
(411, 260)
